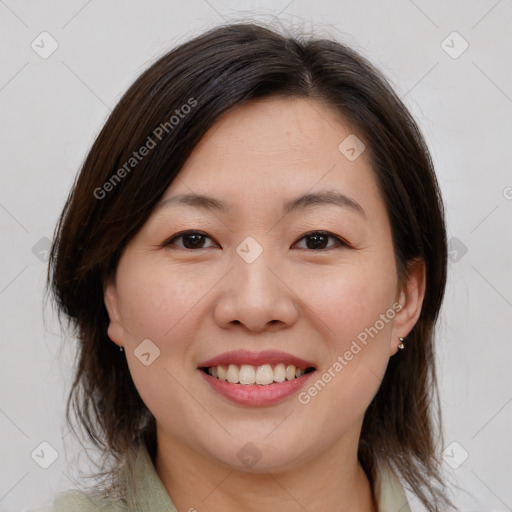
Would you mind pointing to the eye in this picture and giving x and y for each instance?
(191, 240)
(316, 240)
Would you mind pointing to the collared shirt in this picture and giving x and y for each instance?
(147, 493)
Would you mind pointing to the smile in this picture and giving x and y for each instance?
(262, 375)
(256, 379)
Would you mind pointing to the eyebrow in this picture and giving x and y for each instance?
(330, 197)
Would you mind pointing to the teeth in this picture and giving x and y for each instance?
(247, 374)
(279, 372)
(290, 372)
(221, 372)
(262, 375)
(232, 374)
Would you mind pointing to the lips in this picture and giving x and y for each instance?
(243, 390)
(240, 357)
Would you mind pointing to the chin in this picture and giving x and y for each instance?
(258, 456)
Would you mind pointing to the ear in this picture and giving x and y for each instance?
(410, 296)
(115, 330)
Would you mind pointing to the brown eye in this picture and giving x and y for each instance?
(318, 240)
(190, 240)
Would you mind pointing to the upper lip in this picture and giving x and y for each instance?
(255, 359)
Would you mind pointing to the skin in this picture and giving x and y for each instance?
(197, 303)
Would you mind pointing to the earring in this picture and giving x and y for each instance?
(121, 349)
(401, 345)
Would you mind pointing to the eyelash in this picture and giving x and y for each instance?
(340, 241)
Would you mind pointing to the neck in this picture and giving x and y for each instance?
(333, 481)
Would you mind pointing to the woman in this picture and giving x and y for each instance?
(254, 258)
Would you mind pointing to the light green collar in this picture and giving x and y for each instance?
(146, 492)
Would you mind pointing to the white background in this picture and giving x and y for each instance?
(51, 110)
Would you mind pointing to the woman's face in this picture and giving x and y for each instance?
(266, 281)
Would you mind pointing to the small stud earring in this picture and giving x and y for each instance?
(121, 349)
(401, 345)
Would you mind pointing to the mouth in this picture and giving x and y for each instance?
(262, 375)
(252, 386)
(256, 379)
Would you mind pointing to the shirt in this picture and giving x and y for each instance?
(147, 493)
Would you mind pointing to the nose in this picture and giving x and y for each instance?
(257, 296)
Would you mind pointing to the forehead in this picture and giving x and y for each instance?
(276, 148)
(298, 128)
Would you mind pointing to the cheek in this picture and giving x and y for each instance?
(155, 298)
(159, 304)
(357, 350)
(350, 300)
(353, 307)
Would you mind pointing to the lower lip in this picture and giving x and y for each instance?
(255, 395)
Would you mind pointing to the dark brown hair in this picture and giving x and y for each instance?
(214, 74)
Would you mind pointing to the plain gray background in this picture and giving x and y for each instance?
(52, 107)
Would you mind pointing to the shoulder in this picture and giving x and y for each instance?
(136, 487)
(80, 501)
(389, 491)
